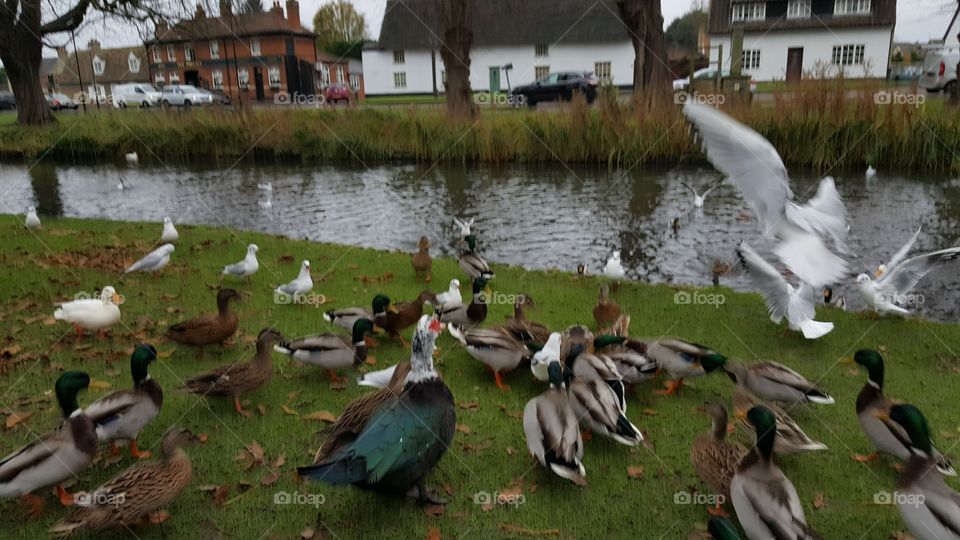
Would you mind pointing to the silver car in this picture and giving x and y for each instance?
(184, 95)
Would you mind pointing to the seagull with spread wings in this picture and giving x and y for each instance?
(897, 278)
(698, 198)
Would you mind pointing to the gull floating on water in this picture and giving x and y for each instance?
(122, 185)
(797, 304)
(245, 268)
(131, 158)
(871, 172)
(464, 226)
(169, 233)
(155, 260)
(697, 198)
(752, 164)
(897, 278)
(32, 221)
(614, 269)
(302, 285)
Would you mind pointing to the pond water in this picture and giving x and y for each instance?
(537, 217)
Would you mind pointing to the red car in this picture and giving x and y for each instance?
(337, 92)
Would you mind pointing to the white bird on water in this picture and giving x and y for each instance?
(153, 261)
(614, 269)
(131, 158)
(122, 185)
(32, 221)
(302, 285)
(752, 164)
(797, 304)
(871, 172)
(268, 187)
(698, 198)
(245, 268)
(464, 226)
(169, 233)
(890, 291)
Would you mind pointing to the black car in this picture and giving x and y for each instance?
(7, 101)
(556, 86)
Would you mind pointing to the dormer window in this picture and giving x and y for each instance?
(98, 65)
(851, 7)
(133, 62)
(750, 11)
(798, 9)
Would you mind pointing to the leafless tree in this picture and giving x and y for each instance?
(456, 25)
(651, 73)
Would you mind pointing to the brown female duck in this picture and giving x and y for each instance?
(401, 315)
(525, 330)
(208, 329)
(421, 260)
(714, 457)
(606, 312)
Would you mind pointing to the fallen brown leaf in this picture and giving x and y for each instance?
(434, 510)
(463, 428)
(819, 500)
(16, 418)
(323, 416)
(269, 479)
(635, 472)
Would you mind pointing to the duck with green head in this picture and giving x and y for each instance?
(766, 502)
(873, 409)
(121, 415)
(56, 457)
(330, 351)
(929, 507)
(633, 366)
(471, 263)
(468, 315)
(345, 317)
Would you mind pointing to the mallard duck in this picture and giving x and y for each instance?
(467, 315)
(421, 261)
(153, 261)
(614, 268)
(406, 435)
(525, 330)
(300, 286)
(330, 351)
(497, 349)
(134, 494)
(95, 314)
(246, 267)
(929, 507)
(169, 234)
(776, 382)
(597, 401)
(208, 329)
(721, 528)
(471, 263)
(56, 457)
(451, 296)
(589, 365)
(238, 378)
(356, 414)
(31, 221)
(766, 502)
(401, 315)
(121, 415)
(680, 359)
(888, 437)
(345, 317)
(606, 312)
(632, 366)
(551, 429)
(714, 457)
(790, 439)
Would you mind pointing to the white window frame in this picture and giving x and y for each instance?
(748, 11)
(243, 78)
(214, 49)
(603, 70)
(400, 79)
(540, 72)
(340, 76)
(324, 75)
(99, 66)
(851, 7)
(133, 62)
(273, 77)
(750, 59)
(541, 50)
(158, 78)
(798, 9)
(174, 77)
(355, 81)
(255, 46)
(188, 55)
(171, 53)
(848, 55)
(217, 77)
(157, 55)
(399, 56)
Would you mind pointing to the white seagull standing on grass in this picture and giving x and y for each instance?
(752, 164)
(797, 304)
(614, 269)
(302, 285)
(155, 260)
(31, 221)
(169, 233)
(245, 268)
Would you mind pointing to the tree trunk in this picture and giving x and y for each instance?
(21, 52)
(456, 23)
(651, 74)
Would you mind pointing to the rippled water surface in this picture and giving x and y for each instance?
(549, 217)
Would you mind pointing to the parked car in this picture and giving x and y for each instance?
(59, 102)
(184, 95)
(557, 86)
(939, 70)
(7, 101)
(337, 92)
(217, 98)
(704, 74)
(908, 73)
(136, 95)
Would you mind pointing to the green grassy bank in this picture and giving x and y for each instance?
(814, 129)
(230, 497)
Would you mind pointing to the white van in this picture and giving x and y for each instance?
(940, 69)
(135, 95)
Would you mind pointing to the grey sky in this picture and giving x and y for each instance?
(917, 20)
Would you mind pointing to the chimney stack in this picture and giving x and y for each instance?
(226, 8)
(293, 14)
(276, 9)
(93, 45)
(161, 30)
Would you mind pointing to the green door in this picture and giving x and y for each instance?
(494, 79)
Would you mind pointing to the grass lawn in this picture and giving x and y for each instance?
(489, 453)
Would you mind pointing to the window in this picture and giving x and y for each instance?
(99, 93)
(243, 77)
(174, 77)
(398, 56)
(274, 76)
(98, 65)
(400, 80)
(217, 77)
(255, 47)
(158, 78)
(324, 75)
(752, 11)
(847, 55)
(851, 7)
(340, 74)
(188, 55)
(750, 59)
(602, 71)
(214, 49)
(355, 81)
(171, 53)
(541, 49)
(133, 62)
(540, 72)
(156, 55)
(798, 9)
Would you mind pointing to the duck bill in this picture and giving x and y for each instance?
(117, 299)
(881, 416)
(847, 360)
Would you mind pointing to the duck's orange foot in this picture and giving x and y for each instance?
(586, 435)
(500, 384)
(33, 505)
(66, 498)
(672, 388)
(136, 452)
(717, 511)
(865, 458)
(159, 517)
(239, 408)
